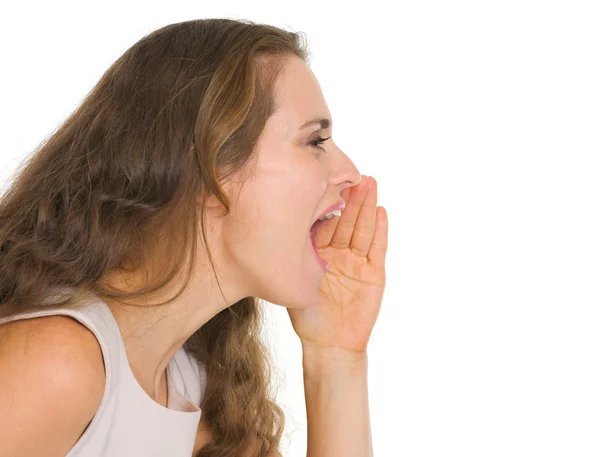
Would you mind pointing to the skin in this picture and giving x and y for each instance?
(263, 249)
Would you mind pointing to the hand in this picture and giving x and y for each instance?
(350, 293)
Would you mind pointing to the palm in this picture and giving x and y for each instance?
(354, 245)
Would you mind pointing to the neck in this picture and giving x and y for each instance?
(153, 334)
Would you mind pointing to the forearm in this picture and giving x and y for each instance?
(337, 405)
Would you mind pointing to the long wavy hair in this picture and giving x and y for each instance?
(116, 189)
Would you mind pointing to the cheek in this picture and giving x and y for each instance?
(272, 217)
(275, 242)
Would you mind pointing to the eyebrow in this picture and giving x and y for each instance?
(323, 122)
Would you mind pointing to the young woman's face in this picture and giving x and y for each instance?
(265, 241)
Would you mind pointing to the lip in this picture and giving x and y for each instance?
(341, 204)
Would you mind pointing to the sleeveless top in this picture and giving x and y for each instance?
(129, 423)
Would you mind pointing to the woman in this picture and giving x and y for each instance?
(139, 242)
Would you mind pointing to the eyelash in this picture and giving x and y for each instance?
(318, 141)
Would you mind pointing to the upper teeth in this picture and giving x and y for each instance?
(337, 212)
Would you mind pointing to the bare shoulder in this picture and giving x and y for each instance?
(51, 384)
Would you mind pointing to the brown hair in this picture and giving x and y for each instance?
(116, 187)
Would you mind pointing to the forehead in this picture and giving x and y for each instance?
(299, 95)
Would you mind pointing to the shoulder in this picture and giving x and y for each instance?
(51, 384)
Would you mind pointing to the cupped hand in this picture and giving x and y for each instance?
(354, 245)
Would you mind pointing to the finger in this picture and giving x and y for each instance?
(379, 245)
(364, 229)
(345, 225)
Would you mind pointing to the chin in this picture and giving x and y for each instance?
(296, 287)
(298, 297)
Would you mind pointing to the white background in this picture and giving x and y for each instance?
(481, 122)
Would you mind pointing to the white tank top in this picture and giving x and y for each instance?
(129, 423)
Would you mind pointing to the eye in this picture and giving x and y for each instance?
(315, 143)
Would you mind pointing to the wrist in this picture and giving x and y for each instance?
(334, 361)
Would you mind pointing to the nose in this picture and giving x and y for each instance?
(344, 173)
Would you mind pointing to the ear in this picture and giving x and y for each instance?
(212, 205)
(212, 202)
(230, 187)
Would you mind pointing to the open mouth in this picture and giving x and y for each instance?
(334, 210)
(315, 229)
(313, 238)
